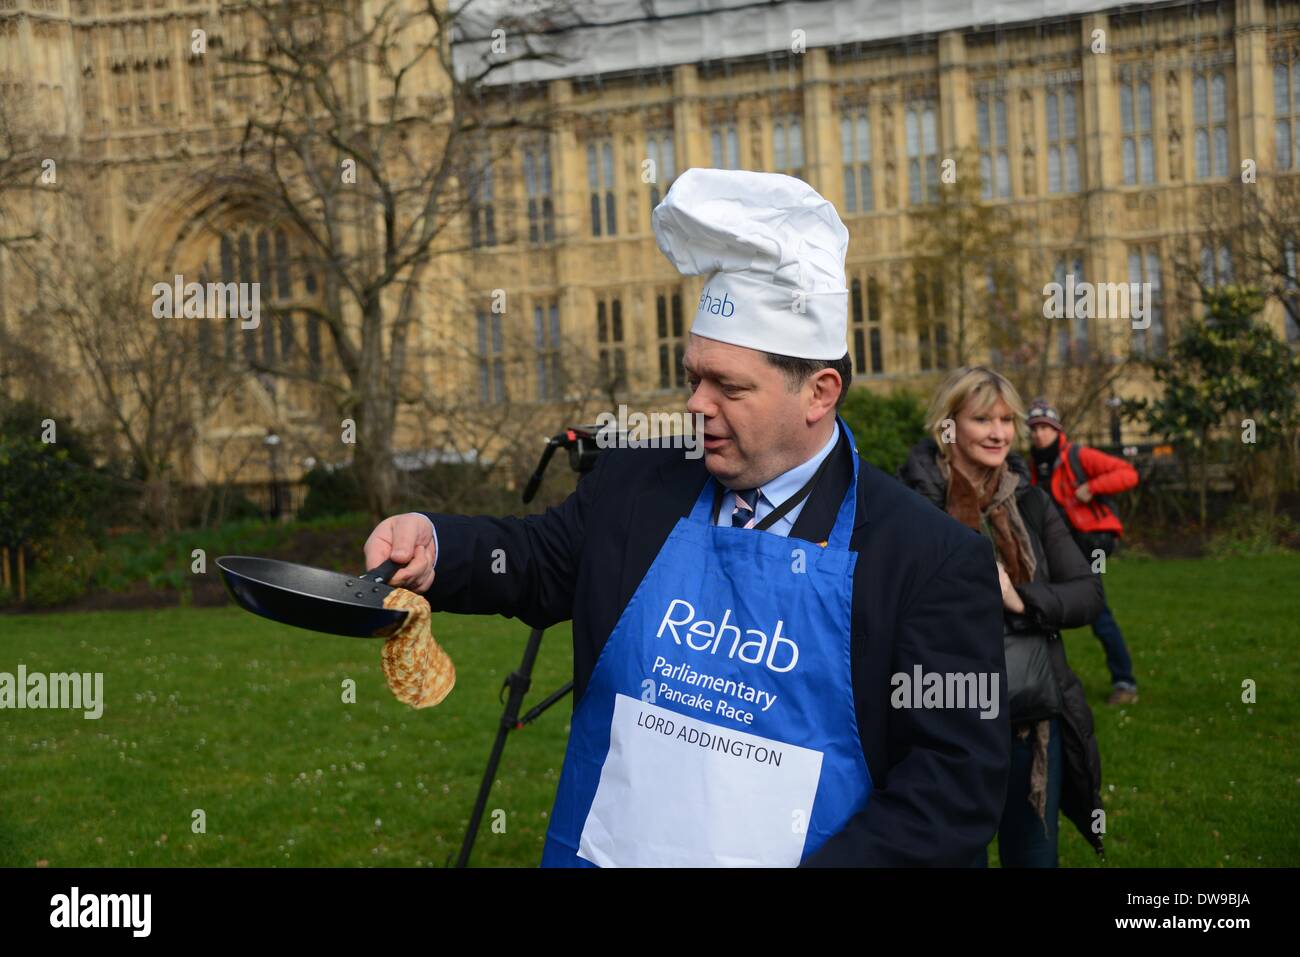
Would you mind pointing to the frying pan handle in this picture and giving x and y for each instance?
(382, 572)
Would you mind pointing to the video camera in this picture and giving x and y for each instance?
(581, 443)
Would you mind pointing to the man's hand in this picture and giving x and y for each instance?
(1083, 493)
(408, 540)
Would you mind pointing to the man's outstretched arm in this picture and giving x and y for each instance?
(523, 568)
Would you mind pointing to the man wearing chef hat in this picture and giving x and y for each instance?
(740, 622)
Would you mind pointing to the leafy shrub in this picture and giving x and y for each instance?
(885, 426)
(212, 505)
(1246, 532)
(466, 488)
(39, 482)
(47, 588)
(331, 492)
(66, 564)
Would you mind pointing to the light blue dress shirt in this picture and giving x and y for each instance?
(433, 529)
(773, 493)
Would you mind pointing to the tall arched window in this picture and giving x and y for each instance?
(257, 254)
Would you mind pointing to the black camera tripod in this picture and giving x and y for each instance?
(583, 449)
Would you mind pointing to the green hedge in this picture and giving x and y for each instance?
(885, 426)
(70, 564)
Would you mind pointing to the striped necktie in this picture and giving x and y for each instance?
(742, 512)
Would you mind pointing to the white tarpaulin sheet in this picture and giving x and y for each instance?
(601, 36)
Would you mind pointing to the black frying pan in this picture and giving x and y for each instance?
(312, 598)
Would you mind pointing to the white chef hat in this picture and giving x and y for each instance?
(773, 250)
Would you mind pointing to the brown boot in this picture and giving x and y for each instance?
(1123, 696)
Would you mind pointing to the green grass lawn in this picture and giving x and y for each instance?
(218, 710)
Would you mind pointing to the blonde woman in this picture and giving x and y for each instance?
(967, 468)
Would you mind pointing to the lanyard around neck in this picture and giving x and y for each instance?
(783, 509)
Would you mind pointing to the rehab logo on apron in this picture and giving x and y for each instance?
(718, 728)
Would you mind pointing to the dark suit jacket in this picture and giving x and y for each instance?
(925, 592)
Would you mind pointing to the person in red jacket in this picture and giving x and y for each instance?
(1080, 497)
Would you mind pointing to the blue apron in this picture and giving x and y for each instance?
(718, 728)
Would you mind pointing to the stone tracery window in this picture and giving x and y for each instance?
(259, 254)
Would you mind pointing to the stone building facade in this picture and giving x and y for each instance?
(1109, 156)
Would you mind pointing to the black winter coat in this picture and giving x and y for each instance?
(1064, 594)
